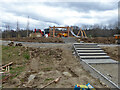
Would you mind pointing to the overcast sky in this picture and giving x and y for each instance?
(58, 12)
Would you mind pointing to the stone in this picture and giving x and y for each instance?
(11, 44)
(41, 73)
(19, 44)
(31, 77)
(67, 74)
(73, 53)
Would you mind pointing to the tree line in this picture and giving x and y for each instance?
(94, 30)
(13, 33)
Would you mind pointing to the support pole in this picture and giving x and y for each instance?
(72, 29)
(54, 31)
(78, 32)
(50, 31)
(8, 68)
(68, 30)
(81, 33)
(85, 33)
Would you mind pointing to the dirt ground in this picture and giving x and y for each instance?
(112, 51)
(105, 40)
(37, 39)
(36, 67)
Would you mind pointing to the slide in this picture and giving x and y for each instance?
(74, 34)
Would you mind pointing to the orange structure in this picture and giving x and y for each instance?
(69, 29)
(52, 30)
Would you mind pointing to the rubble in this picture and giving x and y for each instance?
(18, 44)
(11, 44)
(67, 74)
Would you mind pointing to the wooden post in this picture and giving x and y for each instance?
(85, 33)
(54, 31)
(50, 31)
(8, 68)
(72, 29)
(81, 33)
(78, 32)
(68, 30)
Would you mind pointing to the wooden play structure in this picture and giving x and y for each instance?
(69, 29)
(52, 30)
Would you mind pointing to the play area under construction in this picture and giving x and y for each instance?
(55, 32)
(58, 44)
(60, 57)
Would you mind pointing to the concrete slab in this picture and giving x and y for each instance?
(85, 43)
(92, 54)
(94, 57)
(99, 61)
(88, 48)
(90, 51)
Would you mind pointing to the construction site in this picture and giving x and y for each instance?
(60, 59)
(59, 45)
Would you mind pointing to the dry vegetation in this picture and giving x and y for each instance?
(113, 52)
(104, 40)
(37, 39)
(45, 64)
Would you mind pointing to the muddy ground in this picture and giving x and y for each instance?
(113, 51)
(37, 39)
(36, 67)
(104, 40)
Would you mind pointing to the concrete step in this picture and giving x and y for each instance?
(90, 51)
(99, 61)
(86, 46)
(94, 57)
(92, 54)
(85, 43)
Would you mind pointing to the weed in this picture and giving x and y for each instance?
(47, 69)
(5, 48)
(48, 79)
(26, 56)
(16, 71)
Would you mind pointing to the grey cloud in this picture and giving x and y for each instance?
(84, 6)
(13, 9)
(18, 9)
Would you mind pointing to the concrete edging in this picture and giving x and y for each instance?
(95, 73)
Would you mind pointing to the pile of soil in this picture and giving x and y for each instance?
(46, 64)
(113, 52)
(105, 40)
(12, 44)
(37, 39)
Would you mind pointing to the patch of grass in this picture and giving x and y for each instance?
(22, 80)
(47, 69)
(49, 79)
(11, 54)
(26, 56)
(16, 71)
(5, 48)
